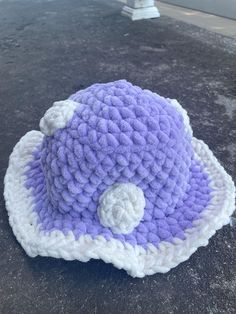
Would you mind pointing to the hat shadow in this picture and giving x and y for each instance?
(75, 270)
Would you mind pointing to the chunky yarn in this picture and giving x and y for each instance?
(121, 207)
(117, 134)
(115, 173)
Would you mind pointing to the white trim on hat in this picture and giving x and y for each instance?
(137, 261)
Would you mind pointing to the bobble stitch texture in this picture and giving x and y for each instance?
(118, 134)
(53, 183)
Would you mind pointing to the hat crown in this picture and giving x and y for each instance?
(119, 133)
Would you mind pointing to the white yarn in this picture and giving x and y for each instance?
(57, 116)
(121, 207)
(174, 103)
(184, 114)
(137, 261)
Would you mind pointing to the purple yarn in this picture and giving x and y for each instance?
(119, 133)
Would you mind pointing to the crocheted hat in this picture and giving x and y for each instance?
(115, 173)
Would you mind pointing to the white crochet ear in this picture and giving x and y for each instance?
(184, 114)
(57, 116)
(121, 207)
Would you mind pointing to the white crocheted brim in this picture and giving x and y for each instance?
(137, 261)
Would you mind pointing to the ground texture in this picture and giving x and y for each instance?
(50, 49)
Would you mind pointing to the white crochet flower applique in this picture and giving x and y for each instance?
(121, 207)
(57, 116)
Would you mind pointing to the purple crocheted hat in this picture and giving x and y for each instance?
(115, 173)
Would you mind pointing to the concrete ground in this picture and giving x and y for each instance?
(211, 22)
(50, 49)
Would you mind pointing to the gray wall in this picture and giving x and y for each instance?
(226, 8)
